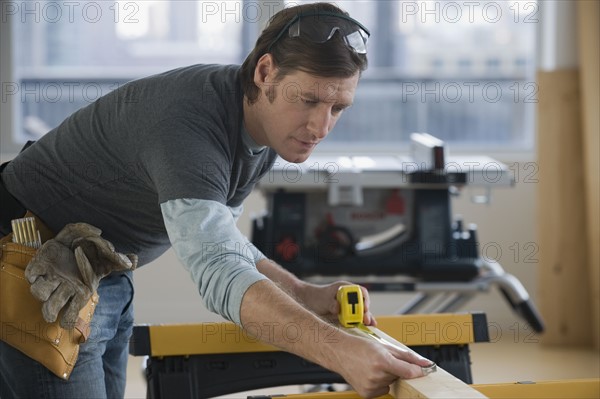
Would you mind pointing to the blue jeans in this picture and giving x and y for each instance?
(100, 371)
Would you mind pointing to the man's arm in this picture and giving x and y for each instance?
(283, 278)
(205, 240)
(208, 244)
(274, 317)
(321, 299)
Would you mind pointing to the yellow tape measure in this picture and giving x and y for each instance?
(352, 305)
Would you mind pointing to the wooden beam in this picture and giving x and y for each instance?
(439, 384)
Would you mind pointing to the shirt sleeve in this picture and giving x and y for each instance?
(237, 211)
(186, 158)
(220, 259)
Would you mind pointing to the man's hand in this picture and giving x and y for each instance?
(370, 368)
(321, 299)
(67, 269)
(366, 364)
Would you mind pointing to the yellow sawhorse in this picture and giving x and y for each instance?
(211, 359)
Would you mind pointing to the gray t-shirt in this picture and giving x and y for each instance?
(112, 163)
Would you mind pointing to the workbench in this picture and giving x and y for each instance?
(211, 359)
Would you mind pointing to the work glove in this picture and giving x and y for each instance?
(67, 269)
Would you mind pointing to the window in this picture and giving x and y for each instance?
(460, 70)
(68, 54)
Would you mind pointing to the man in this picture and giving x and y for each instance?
(167, 161)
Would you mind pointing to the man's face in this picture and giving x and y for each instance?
(298, 111)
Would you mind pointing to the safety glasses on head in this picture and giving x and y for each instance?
(320, 26)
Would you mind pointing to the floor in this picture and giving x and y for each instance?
(506, 359)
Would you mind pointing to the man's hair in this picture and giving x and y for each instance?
(330, 59)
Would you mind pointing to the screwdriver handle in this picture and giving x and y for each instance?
(352, 306)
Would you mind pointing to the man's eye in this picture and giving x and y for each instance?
(338, 110)
(307, 101)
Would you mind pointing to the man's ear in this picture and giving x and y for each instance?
(265, 70)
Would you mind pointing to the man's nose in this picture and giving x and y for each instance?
(319, 123)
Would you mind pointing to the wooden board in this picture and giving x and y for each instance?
(588, 388)
(439, 384)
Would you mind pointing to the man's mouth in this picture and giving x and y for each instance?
(307, 144)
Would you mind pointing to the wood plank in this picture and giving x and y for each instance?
(439, 384)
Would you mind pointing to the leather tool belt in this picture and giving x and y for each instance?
(22, 324)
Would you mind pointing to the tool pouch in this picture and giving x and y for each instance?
(22, 324)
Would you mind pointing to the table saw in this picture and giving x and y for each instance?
(385, 222)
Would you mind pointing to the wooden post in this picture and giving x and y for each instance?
(588, 13)
(563, 271)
